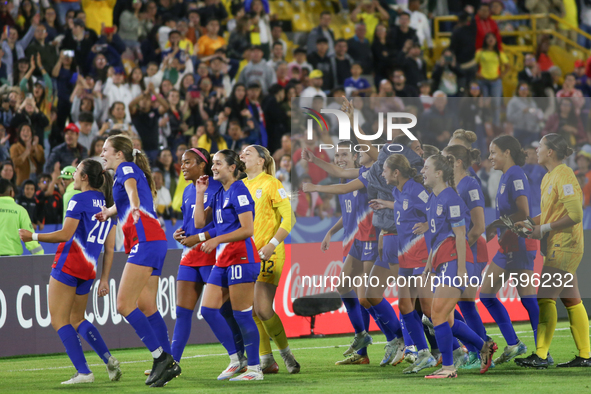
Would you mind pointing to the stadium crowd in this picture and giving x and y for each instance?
(222, 74)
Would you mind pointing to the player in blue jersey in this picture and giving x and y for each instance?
(450, 264)
(145, 242)
(471, 193)
(237, 264)
(515, 254)
(74, 269)
(195, 264)
(465, 138)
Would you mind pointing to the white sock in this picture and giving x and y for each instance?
(284, 352)
(158, 352)
(267, 358)
(256, 368)
(234, 358)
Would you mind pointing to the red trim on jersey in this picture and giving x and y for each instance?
(239, 252)
(481, 250)
(509, 243)
(195, 257)
(447, 252)
(416, 256)
(76, 263)
(151, 231)
(367, 232)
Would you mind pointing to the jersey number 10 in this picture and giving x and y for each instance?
(102, 232)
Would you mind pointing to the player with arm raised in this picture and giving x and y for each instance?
(74, 269)
(560, 228)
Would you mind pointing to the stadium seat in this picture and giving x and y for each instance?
(282, 9)
(311, 306)
(299, 6)
(301, 23)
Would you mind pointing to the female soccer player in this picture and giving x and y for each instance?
(410, 199)
(446, 215)
(471, 193)
(74, 269)
(465, 138)
(560, 227)
(274, 220)
(145, 242)
(195, 264)
(237, 260)
(515, 254)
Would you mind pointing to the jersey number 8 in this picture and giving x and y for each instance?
(102, 232)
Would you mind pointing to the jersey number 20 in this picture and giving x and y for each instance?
(102, 232)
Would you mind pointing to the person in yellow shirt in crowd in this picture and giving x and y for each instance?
(208, 43)
(560, 229)
(99, 13)
(370, 12)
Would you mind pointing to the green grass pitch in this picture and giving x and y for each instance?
(202, 363)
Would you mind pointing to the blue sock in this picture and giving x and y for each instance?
(466, 335)
(388, 317)
(250, 334)
(182, 331)
(353, 310)
(458, 316)
(407, 339)
(444, 339)
(220, 328)
(161, 331)
(415, 331)
(501, 317)
(143, 329)
(365, 320)
(430, 338)
(70, 339)
(385, 330)
(227, 313)
(472, 318)
(91, 335)
(530, 303)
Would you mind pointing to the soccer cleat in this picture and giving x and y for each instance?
(443, 373)
(232, 369)
(486, 355)
(511, 352)
(113, 369)
(410, 354)
(359, 342)
(174, 371)
(253, 372)
(460, 357)
(269, 369)
(550, 360)
(424, 360)
(80, 378)
(355, 359)
(429, 324)
(160, 367)
(473, 361)
(244, 362)
(391, 349)
(575, 363)
(437, 356)
(290, 363)
(533, 361)
(399, 354)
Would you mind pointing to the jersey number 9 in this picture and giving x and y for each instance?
(102, 232)
(433, 228)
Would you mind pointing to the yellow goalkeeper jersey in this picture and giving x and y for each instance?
(268, 194)
(559, 187)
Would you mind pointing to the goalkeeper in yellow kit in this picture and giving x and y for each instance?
(560, 229)
(273, 221)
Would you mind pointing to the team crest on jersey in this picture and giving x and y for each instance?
(502, 188)
(364, 175)
(405, 205)
(439, 209)
(355, 193)
(259, 193)
(225, 202)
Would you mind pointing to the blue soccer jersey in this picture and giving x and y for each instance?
(79, 255)
(409, 209)
(194, 256)
(472, 174)
(147, 228)
(471, 193)
(363, 212)
(226, 205)
(445, 212)
(513, 184)
(350, 228)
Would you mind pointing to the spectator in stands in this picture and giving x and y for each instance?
(438, 122)
(276, 55)
(494, 65)
(322, 31)
(533, 75)
(64, 72)
(567, 123)
(81, 41)
(129, 25)
(7, 172)
(463, 46)
(356, 86)
(26, 199)
(401, 87)
(239, 39)
(68, 153)
(27, 155)
(253, 102)
(380, 54)
(261, 33)
(542, 56)
(194, 26)
(49, 198)
(96, 147)
(360, 49)
(116, 90)
(238, 137)
(314, 90)
(369, 13)
(569, 90)
(212, 141)
(583, 160)
(211, 41)
(165, 164)
(65, 6)
(100, 13)
(163, 199)
(276, 120)
(415, 68)
(257, 70)
(320, 61)
(284, 150)
(400, 34)
(484, 26)
(315, 173)
(525, 116)
(214, 9)
(88, 130)
(421, 24)
(556, 77)
(583, 82)
(393, 104)
(299, 60)
(276, 32)
(117, 119)
(12, 46)
(53, 28)
(146, 119)
(29, 114)
(4, 144)
(341, 62)
(445, 74)
(38, 46)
